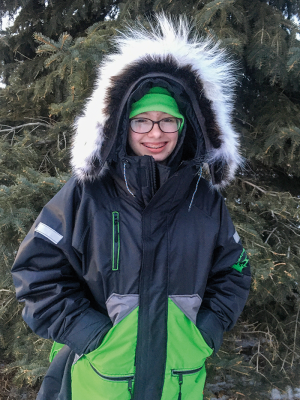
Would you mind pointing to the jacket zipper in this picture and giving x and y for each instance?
(125, 378)
(180, 377)
(115, 240)
(153, 177)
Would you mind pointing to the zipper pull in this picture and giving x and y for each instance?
(130, 387)
(180, 381)
(115, 241)
(116, 223)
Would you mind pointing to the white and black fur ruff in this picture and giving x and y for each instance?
(168, 47)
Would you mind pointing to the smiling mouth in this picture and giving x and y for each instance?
(154, 146)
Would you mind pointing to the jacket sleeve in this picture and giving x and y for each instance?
(228, 284)
(46, 275)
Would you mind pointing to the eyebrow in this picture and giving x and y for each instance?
(146, 112)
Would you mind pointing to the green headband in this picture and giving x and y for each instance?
(157, 99)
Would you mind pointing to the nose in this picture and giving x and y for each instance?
(155, 131)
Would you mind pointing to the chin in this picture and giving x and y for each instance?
(157, 157)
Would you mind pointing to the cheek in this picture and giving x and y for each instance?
(174, 141)
(132, 140)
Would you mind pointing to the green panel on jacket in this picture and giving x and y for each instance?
(186, 355)
(54, 350)
(107, 372)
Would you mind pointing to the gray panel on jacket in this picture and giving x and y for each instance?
(188, 304)
(76, 358)
(121, 305)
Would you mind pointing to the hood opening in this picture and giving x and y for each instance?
(191, 143)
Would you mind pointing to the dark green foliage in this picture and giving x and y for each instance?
(48, 60)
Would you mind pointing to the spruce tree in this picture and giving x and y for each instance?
(48, 60)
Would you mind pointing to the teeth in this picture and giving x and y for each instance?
(155, 147)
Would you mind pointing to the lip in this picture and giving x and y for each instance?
(157, 147)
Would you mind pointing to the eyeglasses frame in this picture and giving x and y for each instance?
(153, 123)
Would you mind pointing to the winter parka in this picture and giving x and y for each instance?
(135, 266)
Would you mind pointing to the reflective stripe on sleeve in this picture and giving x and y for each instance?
(48, 232)
(236, 237)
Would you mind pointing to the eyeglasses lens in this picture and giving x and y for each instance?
(144, 125)
(141, 125)
(169, 125)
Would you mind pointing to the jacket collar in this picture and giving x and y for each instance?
(140, 179)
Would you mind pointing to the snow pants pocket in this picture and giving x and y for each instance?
(107, 373)
(186, 354)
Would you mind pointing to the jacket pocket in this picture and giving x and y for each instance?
(182, 376)
(115, 240)
(127, 379)
(107, 373)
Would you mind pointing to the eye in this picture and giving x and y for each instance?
(169, 119)
(140, 120)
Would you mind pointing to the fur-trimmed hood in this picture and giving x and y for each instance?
(197, 71)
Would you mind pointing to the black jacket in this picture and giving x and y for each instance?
(126, 232)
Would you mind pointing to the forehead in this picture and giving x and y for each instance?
(155, 115)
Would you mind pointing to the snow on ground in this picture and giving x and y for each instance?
(290, 394)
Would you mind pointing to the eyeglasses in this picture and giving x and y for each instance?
(145, 125)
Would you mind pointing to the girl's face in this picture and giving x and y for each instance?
(155, 143)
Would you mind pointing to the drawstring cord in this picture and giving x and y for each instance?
(200, 174)
(126, 180)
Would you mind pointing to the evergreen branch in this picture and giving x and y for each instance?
(244, 122)
(269, 193)
(247, 231)
(287, 226)
(258, 353)
(240, 372)
(65, 36)
(277, 254)
(268, 380)
(284, 360)
(262, 31)
(266, 241)
(265, 333)
(295, 336)
(13, 128)
(24, 55)
(253, 185)
(42, 39)
(279, 325)
(291, 350)
(50, 60)
(210, 10)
